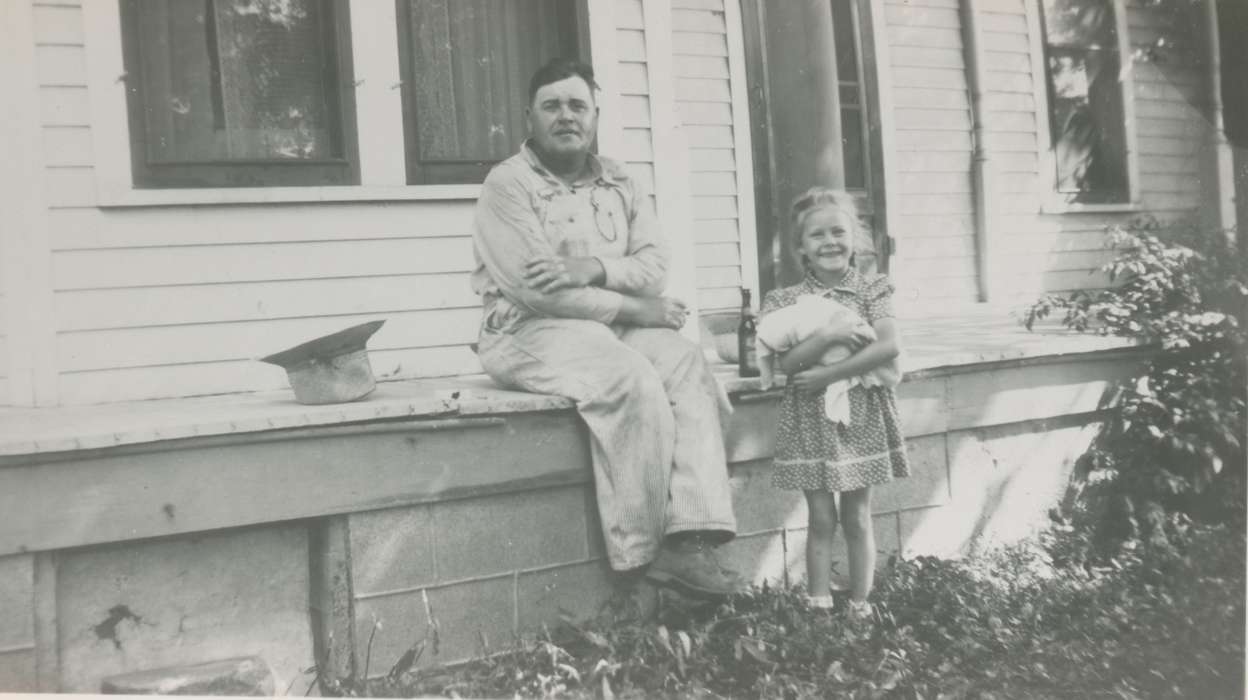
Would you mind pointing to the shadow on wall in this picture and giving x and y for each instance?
(1004, 482)
(970, 490)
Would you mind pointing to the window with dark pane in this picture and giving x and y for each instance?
(1086, 100)
(853, 116)
(466, 68)
(237, 92)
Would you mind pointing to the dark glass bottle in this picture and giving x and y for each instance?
(747, 358)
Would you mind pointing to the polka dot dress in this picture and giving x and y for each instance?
(812, 452)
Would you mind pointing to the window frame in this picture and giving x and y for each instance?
(378, 107)
(343, 170)
(455, 173)
(862, 105)
(871, 197)
(1056, 202)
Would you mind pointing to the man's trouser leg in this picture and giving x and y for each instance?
(622, 400)
(701, 498)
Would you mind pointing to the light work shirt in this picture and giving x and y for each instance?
(525, 212)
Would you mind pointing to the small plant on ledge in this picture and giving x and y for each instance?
(1178, 427)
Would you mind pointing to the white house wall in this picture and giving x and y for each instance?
(4, 353)
(1170, 142)
(936, 259)
(25, 331)
(1070, 246)
(177, 300)
(1173, 135)
(633, 89)
(935, 227)
(4, 340)
(167, 301)
(704, 102)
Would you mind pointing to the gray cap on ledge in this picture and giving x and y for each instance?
(330, 369)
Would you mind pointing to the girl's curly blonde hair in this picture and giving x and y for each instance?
(817, 198)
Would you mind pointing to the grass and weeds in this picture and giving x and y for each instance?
(1044, 620)
(1175, 442)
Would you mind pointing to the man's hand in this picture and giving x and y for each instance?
(813, 380)
(653, 312)
(557, 272)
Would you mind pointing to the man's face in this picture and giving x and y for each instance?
(563, 118)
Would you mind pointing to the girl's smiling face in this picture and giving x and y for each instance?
(827, 241)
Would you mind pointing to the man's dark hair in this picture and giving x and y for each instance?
(557, 69)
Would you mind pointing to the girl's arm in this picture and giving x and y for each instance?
(885, 348)
(808, 352)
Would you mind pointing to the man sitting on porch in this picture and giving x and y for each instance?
(571, 267)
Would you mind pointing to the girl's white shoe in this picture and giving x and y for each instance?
(859, 610)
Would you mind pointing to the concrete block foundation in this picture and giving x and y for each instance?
(459, 534)
(17, 623)
(171, 602)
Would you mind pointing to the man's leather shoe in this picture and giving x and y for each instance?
(693, 567)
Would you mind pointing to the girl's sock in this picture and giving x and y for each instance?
(820, 602)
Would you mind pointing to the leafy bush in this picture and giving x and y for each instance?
(1026, 621)
(1180, 425)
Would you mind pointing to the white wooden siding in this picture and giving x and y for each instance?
(1173, 135)
(634, 89)
(194, 311)
(1041, 251)
(4, 353)
(27, 375)
(934, 226)
(1063, 251)
(167, 301)
(5, 397)
(704, 101)
(178, 300)
(1037, 251)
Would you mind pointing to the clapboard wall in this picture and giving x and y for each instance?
(1174, 133)
(934, 226)
(1037, 250)
(4, 349)
(634, 90)
(1171, 142)
(178, 300)
(704, 102)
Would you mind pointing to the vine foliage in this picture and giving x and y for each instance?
(1179, 426)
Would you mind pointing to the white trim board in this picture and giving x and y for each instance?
(25, 255)
(888, 134)
(747, 221)
(604, 60)
(671, 172)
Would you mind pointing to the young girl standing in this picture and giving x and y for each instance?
(814, 454)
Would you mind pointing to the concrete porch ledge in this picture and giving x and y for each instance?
(933, 345)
